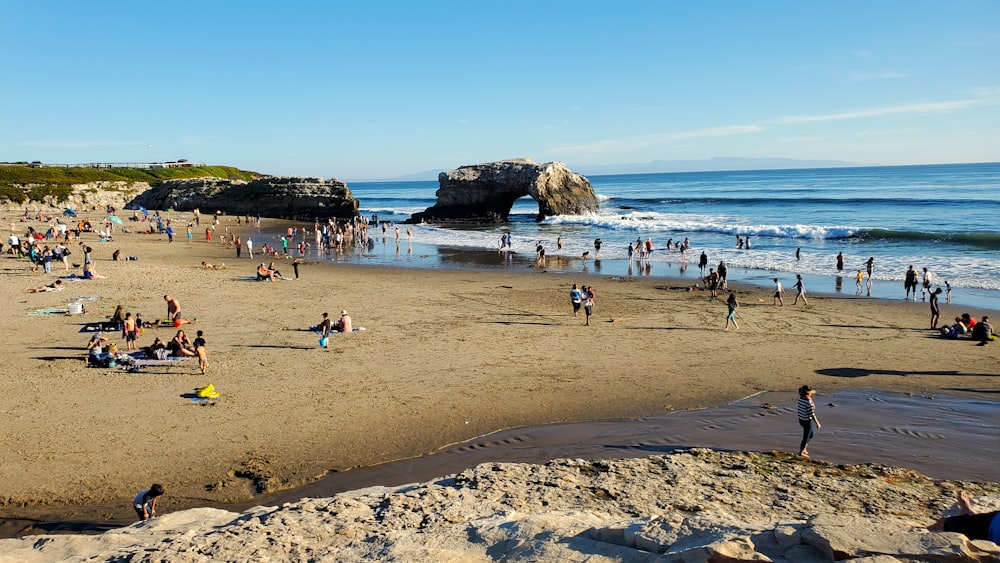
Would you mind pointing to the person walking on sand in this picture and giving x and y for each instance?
(145, 502)
(935, 308)
(588, 303)
(201, 352)
(249, 247)
(732, 304)
(806, 409)
(576, 299)
(325, 327)
(778, 290)
(800, 290)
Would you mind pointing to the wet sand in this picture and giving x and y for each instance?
(447, 356)
(943, 437)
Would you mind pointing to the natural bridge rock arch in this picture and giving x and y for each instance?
(485, 193)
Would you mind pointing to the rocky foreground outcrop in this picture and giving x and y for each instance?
(485, 193)
(685, 507)
(270, 196)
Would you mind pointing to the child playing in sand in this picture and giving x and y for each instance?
(145, 502)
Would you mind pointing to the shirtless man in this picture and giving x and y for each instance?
(173, 308)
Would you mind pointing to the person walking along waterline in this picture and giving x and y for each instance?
(800, 291)
(806, 409)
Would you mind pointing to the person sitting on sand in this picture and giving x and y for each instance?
(263, 273)
(89, 273)
(344, 324)
(54, 286)
(968, 321)
(983, 526)
(145, 502)
(983, 332)
(275, 274)
(95, 350)
(180, 345)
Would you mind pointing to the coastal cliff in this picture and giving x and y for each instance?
(87, 196)
(485, 193)
(688, 506)
(50, 190)
(270, 196)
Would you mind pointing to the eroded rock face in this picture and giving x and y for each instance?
(286, 197)
(694, 506)
(484, 193)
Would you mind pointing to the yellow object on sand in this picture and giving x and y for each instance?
(207, 392)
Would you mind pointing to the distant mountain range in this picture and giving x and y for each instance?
(706, 165)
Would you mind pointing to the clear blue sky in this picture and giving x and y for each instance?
(380, 89)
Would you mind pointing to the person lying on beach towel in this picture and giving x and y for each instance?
(54, 286)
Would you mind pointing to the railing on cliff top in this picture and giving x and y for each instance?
(109, 165)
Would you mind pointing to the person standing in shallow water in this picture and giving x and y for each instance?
(806, 409)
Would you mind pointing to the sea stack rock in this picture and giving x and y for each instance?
(270, 196)
(484, 193)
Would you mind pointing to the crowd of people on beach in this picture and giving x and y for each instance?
(337, 235)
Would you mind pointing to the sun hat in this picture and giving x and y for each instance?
(343, 311)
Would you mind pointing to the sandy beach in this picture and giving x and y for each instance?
(446, 355)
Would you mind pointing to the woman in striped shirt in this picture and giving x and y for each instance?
(807, 416)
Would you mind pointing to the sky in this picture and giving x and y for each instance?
(382, 89)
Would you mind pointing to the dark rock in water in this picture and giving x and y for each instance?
(271, 196)
(485, 193)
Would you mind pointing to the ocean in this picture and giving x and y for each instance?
(942, 217)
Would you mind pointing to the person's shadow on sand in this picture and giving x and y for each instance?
(865, 372)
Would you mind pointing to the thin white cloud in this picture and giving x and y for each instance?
(643, 141)
(931, 107)
(881, 75)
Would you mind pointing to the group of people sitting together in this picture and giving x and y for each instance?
(102, 353)
(967, 327)
(268, 272)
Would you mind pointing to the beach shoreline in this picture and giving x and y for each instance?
(448, 355)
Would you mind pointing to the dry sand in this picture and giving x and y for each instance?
(446, 356)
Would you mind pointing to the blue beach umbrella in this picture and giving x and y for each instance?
(116, 219)
(69, 212)
(143, 209)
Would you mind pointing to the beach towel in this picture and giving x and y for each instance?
(49, 311)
